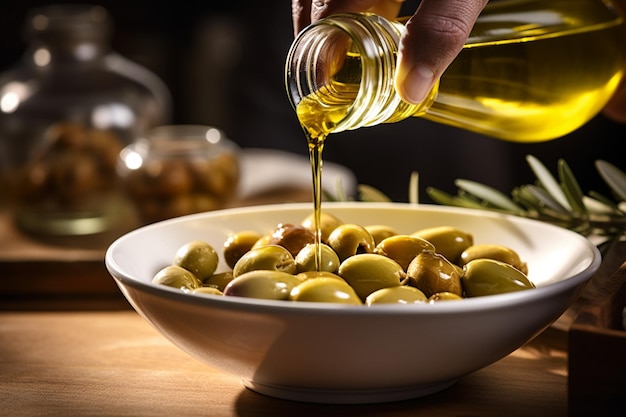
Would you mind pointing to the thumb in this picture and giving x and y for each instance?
(434, 36)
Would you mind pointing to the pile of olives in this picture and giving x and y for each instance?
(355, 265)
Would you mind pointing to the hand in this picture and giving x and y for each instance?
(434, 35)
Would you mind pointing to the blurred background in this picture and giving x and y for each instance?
(223, 63)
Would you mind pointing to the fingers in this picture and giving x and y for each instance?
(433, 38)
(305, 12)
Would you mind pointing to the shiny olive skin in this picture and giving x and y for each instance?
(293, 237)
(350, 239)
(207, 291)
(269, 257)
(237, 244)
(305, 259)
(402, 294)
(326, 290)
(432, 273)
(219, 280)
(380, 232)
(303, 276)
(368, 272)
(177, 277)
(198, 257)
(443, 296)
(328, 223)
(488, 277)
(449, 241)
(267, 285)
(403, 248)
(491, 251)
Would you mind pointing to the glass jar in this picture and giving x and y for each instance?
(179, 169)
(66, 110)
(531, 70)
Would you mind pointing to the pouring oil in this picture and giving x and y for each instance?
(530, 71)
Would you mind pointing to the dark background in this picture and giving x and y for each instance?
(223, 63)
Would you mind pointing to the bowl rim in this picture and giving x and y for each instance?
(301, 307)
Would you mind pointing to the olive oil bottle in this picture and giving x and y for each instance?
(530, 71)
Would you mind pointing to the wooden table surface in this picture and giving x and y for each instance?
(70, 345)
(114, 363)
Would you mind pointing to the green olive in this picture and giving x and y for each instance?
(488, 276)
(432, 273)
(268, 285)
(324, 289)
(443, 296)
(177, 277)
(380, 232)
(369, 272)
(198, 257)
(403, 248)
(207, 291)
(270, 258)
(497, 252)
(328, 223)
(305, 259)
(293, 237)
(402, 294)
(350, 239)
(237, 244)
(449, 241)
(303, 276)
(219, 280)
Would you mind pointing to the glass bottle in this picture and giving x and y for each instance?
(531, 70)
(66, 110)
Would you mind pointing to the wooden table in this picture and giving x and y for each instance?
(70, 345)
(115, 364)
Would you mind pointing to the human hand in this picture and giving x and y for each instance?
(434, 35)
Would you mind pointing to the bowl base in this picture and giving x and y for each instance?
(340, 396)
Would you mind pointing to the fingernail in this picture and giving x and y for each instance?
(415, 84)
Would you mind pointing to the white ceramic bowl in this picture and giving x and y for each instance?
(321, 352)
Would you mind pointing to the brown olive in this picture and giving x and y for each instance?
(449, 241)
(488, 277)
(305, 259)
(402, 294)
(177, 277)
(237, 244)
(369, 272)
(269, 285)
(491, 251)
(324, 289)
(270, 258)
(293, 237)
(198, 257)
(403, 248)
(432, 273)
(350, 239)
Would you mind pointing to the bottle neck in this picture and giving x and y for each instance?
(68, 33)
(345, 65)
